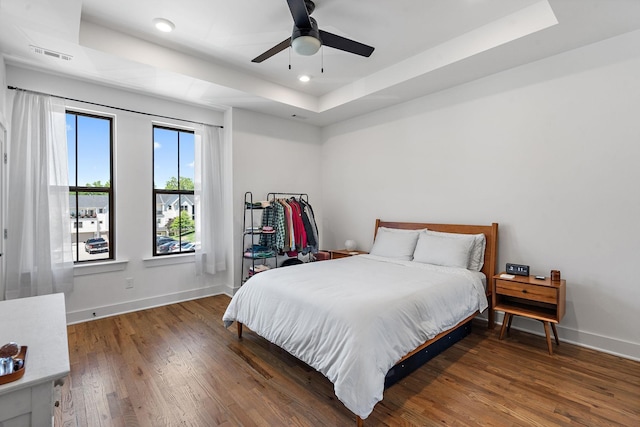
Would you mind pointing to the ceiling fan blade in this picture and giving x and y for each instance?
(348, 45)
(276, 49)
(299, 12)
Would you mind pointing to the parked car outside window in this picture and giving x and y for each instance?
(164, 239)
(96, 245)
(165, 246)
(181, 247)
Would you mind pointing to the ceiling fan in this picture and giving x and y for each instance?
(306, 38)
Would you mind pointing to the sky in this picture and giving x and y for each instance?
(93, 152)
(92, 149)
(166, 152)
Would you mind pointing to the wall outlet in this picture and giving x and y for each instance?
(128, 283)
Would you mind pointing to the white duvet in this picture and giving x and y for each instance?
(354, 318)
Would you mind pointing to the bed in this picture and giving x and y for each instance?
(342, 317)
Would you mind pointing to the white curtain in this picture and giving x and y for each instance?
(39, 258)
(210, 235)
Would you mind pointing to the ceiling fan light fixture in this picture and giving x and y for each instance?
(306, 38)
(164, 25)
(306, 45)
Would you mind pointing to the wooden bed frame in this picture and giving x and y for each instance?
(488, 268)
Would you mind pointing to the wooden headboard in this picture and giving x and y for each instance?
(490, 254)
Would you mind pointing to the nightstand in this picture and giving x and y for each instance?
(343, 253)
(526, 296)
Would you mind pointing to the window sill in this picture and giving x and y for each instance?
(99, 267)
(169, 260)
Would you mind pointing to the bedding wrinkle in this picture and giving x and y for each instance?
(353, 318)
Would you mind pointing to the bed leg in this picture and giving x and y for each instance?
(239, 325)
(359, 421)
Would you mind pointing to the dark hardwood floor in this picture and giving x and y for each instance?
(178, 366)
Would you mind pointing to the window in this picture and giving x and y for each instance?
(90, 146)
(173, 184)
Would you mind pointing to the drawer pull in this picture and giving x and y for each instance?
(524, 291)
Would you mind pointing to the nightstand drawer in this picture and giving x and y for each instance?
(527, 291)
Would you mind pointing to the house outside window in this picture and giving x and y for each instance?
(173, 190)
(90, 149)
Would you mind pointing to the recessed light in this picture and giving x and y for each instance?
(304, 78)
(163, 25)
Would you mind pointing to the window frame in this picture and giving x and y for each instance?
(179, 192)
(77, 224)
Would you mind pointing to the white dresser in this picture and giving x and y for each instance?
(40, 324)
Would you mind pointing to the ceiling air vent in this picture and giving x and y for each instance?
(50, 53)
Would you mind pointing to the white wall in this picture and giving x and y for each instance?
(549, 150)
(157, 281)
(272, 155)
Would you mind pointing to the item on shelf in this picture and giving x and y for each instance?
(257, 205)
(255, 269)
(350, 245)
(518, 269)
(555, 275)
(6, 365)
(10, 349)
(259, 251)
(12, 367)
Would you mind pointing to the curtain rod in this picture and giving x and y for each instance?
(109, 106)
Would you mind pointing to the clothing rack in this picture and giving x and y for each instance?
(249, 233)
(273, 196)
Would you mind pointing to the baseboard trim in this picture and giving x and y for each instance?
(613, 346)
(101, 312)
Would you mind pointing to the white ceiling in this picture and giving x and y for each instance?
(421, 46)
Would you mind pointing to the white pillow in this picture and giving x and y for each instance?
(443, 250)
(395, 243)
(476, 256)
(476, 259)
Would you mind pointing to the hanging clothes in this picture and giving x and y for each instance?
(298, 226)
(314, 241)
(294, 226)
(311, 240)
(268, 220)
(279, 225)
(288, 226)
